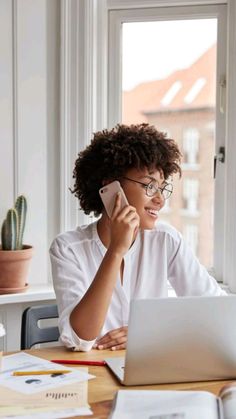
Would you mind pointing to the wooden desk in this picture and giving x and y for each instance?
(102, 389)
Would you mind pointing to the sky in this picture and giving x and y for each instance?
(153, 50)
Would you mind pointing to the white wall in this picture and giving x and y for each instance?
(38, 144)
(29, 119)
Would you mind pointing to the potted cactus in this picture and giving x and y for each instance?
(14, 255)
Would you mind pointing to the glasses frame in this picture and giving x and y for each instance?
(157, 189)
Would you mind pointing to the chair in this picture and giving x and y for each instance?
(31, 332)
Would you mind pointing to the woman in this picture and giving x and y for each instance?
(99, 267)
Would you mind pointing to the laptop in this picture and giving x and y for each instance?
(182, 339)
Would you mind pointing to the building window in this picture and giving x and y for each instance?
(190, 234)
(195, 90)
(191, 146)
(190, 196)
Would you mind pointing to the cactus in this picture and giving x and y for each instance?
(13, 226)
(21, 208)
(9, 230)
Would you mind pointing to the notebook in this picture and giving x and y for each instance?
(181, 339)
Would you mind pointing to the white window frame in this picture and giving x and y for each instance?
(116, 19)
(83, 91)
(93, 20)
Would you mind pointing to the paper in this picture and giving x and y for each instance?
(61, 402)
(229, 401)
(66, 401)
(33, 383)
(154, 404)
(74, 395)
(63, 413)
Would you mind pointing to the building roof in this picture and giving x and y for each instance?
(189, 88)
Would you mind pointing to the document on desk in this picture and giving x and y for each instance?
(61, 402)
(157, 404)
(19, 412)
(36, 383)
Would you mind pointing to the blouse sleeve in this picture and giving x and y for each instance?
(70, 284)
(185, 273)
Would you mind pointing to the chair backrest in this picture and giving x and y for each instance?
(31, 333)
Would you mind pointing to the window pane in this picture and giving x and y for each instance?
(169, 80)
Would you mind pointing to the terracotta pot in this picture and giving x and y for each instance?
(14, 267)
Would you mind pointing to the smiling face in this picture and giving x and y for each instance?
(147, 207)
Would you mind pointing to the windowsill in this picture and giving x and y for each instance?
(33, 293)
(46, 292)
(171, 291)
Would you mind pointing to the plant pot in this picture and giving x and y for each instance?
(14, 268)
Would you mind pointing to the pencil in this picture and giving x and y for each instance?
(19, 373)
(78, 362)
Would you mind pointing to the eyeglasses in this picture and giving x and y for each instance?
(152, 188)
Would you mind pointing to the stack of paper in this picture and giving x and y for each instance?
(165, 404)
(51, 395)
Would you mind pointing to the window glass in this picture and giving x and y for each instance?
(169, 80)
(190, 234)
(190, 146)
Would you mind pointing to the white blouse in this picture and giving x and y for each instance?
(156, 257)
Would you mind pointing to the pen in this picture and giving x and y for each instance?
(77, 362)
(19, 373)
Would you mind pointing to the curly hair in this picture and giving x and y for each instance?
(113, 152)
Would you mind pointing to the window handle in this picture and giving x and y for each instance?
(220, 156)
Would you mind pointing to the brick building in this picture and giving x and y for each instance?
(183, 106)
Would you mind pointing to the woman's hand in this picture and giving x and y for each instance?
(124, 225)
(114, 340)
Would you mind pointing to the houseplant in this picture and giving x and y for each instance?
(14, 255)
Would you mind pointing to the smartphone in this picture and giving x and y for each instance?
(108, 194)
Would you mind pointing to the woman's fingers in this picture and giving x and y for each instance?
(112, 335)
(118, 347)
(113, 343)
(118, 212)
(117, 206)
(114, 339)
(133, 219)
(123, 223)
